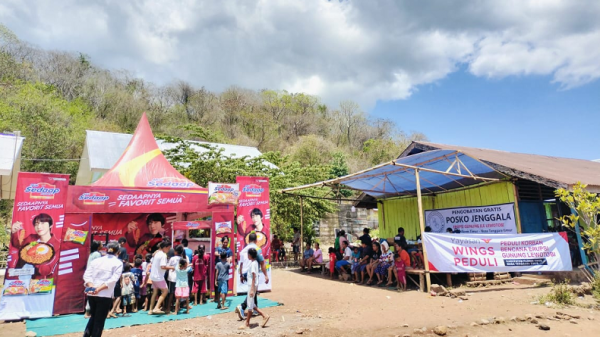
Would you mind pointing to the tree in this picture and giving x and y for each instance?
(211, 165)
(586, 206)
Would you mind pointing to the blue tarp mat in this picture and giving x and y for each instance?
(64, 324)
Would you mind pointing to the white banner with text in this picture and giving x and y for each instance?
(478, 253)
(493, 219)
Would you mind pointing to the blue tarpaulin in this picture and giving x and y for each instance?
(439, 171)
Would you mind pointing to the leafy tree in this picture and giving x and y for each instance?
(587, 214)
(203, 164)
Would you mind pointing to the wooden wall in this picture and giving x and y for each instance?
(402, 212)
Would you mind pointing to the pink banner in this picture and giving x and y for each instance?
(36, 231)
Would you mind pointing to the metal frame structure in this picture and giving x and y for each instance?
(455, 168)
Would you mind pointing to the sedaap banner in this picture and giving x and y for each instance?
(493, 219)
(478, 253)
(223, 194)
(254, 216)
(35, 240)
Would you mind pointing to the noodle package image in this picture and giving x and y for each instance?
(223, 194)
(76, 236)
(43, 286)
(15, 288)
(223, 227)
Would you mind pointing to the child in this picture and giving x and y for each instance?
(126, 288)
(400, 272)
(137, 280)
(253, 278)
(222, 276)
(199, 265)
(182, 288)
(146, 286)
(331, 261)
(172, 277)
(355, 263)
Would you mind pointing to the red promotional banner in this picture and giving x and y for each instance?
(142, 231)
(74, 252)
(36, 231)
(89, 199)
(254, 215)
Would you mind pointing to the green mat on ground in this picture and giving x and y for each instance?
(59, 325)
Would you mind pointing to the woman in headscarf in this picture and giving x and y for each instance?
(385, 261)
(100, 278)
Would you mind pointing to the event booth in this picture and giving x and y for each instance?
(141, 187)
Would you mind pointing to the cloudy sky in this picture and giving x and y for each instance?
(496, 74)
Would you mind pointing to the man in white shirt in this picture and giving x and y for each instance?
(157, 275)
(245, 266)
(346, 260)
(100, 278)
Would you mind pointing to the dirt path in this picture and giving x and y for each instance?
(321, 307)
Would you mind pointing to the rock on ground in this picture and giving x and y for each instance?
(440, 330)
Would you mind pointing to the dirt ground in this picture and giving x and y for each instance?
(318, 306)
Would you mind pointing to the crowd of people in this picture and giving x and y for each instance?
(373, 262)
(169, 280)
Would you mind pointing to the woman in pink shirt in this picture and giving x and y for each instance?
(316, 258)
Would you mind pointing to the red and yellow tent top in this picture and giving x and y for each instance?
(143, 165)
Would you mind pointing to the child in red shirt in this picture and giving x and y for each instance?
(400, 272)
(331, 261)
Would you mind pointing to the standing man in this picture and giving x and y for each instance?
(122, 250)
(296, 244)
(245, 266)
(100, 278)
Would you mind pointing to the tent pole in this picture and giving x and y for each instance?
(301, 228)
(422, 225)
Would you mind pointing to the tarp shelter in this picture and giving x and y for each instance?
(10, 164)
(142, 182)
(425, 173)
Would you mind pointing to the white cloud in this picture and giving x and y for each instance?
(360, 50)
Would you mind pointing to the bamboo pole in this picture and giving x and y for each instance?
(422, 225)
(517, 213)
(301, 228)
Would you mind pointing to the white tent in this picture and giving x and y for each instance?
(102, 150)
(10, 163)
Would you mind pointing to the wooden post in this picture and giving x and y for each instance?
(422, 225)
(301, 229)
(517, 213)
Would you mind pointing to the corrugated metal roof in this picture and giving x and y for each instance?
(105, 148)
(551, 171)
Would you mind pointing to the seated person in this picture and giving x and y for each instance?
(376, 253)
(308, 253)
(363, 262)
(355, 262)
(316, 258)
(386, 260)
(276, 245)
(399, 238)
(405, 258)
(345, 261)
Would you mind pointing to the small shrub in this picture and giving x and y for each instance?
(559, 294)
(596, 287)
